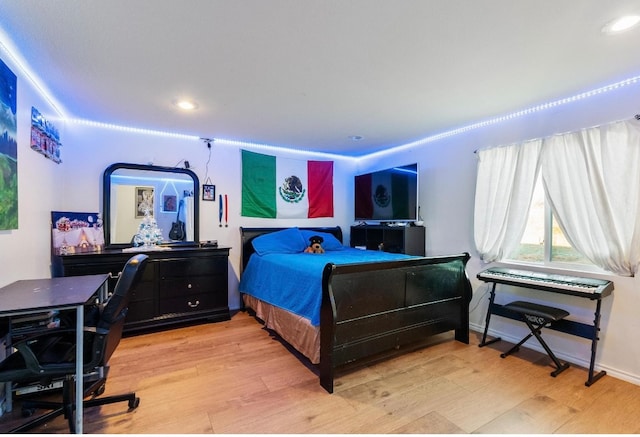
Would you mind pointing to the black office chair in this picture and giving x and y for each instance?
(50, 355)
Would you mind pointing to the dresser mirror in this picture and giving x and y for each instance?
(136, 194)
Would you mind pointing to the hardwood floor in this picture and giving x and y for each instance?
(233, 377)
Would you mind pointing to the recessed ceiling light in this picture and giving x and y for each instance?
(621, 24)
(186, 105)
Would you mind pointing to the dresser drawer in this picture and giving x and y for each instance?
(188, 303)
(145, 290)
(177, 287)
(94, 269)
(113, 269)
(141, 310)
(189, 267)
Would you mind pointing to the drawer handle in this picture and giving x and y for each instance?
(193, 305)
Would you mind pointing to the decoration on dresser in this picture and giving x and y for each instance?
(76, 232)
(149, 234)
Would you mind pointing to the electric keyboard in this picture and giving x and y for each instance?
(573, 285)
(593, 289)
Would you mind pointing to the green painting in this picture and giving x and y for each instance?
(8, 150)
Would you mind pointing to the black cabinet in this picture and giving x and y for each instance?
(397, 239)
(178, 285)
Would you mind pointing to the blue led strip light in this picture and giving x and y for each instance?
(132, 129)
(33, 78)
(500, 119)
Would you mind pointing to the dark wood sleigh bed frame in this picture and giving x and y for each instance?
(371, 308)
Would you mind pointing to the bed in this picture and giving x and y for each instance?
(347, 305)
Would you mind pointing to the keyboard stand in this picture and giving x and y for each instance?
(487, 319)
(583, 330)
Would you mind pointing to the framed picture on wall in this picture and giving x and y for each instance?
(169, 203)
(144, 201)
(76, 232)
(209, 192)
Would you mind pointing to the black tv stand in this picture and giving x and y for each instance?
(397, 239)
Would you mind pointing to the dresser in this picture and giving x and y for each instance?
(182, 284)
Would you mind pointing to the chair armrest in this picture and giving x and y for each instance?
(30, 356)
(45, 332)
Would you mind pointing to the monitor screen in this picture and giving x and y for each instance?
(387, 195)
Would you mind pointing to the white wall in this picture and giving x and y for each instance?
(25, 252)
(90, 150)
(447, 184)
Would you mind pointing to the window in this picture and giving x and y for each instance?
(592, 175)
(543, 241)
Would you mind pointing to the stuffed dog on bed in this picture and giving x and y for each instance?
(315, 245)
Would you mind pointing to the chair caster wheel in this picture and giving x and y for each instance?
(100, 390)
(28, 412)
(134, 403)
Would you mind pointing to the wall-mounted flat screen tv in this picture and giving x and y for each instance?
(387, 195)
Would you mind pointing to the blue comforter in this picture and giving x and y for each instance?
(293, 281)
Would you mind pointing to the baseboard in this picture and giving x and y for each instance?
(534, 345)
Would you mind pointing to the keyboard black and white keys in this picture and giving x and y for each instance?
(577, 286)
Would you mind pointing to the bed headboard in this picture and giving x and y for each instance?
(248, 234)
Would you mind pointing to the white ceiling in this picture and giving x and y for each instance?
(307, 74)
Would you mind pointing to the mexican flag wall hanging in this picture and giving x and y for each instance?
(275, 187)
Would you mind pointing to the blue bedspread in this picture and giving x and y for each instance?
(293, 281)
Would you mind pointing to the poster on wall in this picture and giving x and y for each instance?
(76, 232)
(169, 203)
(144, 201)
(45, 138)
(8, 150)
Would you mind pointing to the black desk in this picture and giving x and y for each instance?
(38, 295)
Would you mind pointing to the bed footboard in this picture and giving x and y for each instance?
(376, 307)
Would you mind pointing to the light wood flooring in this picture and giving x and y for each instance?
(234, 377)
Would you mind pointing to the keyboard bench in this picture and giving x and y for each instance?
(536, 317)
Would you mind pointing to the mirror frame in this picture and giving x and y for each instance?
(106, 202)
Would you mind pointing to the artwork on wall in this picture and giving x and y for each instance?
(144, 201)
(169, 203)
(8, 149)
(76, 232)
(209, 192)
(45, 138)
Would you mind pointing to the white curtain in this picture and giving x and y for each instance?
(592, 182)
(504, 188)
